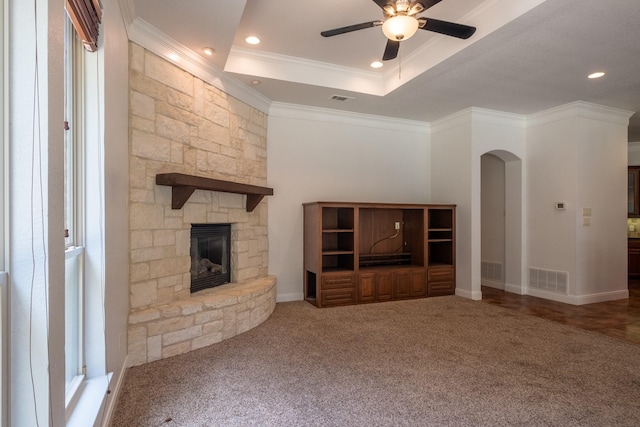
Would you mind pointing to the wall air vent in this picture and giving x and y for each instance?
(491, 271)
(341, 98)
(548, 280)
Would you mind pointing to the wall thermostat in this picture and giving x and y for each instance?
(560, 206)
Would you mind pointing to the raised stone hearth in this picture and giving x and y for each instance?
(202, 319)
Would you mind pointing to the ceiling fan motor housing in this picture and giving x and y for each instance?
(403, 7)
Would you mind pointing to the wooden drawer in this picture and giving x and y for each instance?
(337, 281)
(338, 297)
(440, 288)
(440, 281)
(440, 274)
(337, 289)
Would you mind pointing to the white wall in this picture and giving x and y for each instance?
(458, 142)
(324, 155)
(503, 135)
(115, 58)
(577, 154)
(602, 246)
(451, 183)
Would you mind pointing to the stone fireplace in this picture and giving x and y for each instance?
(180, 124)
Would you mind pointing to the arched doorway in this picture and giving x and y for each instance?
(501, 219)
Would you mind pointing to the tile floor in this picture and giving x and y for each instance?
(619, 319)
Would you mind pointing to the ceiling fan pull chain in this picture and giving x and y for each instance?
(399, 66)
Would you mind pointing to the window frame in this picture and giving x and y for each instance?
(4, 223)
(74, 213)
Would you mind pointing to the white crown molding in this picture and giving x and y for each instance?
(473, 115)
(580, 109)
(499, 118)
(128, 12)
(488, 17)
(457, 119)
(302, 112)
(154, 40)
(288, 68)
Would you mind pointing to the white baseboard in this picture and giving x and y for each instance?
(294, 296)
(492, 284)
(464, 293)
(579, 299)
(114, 395)
(514, 289)
(603, 296)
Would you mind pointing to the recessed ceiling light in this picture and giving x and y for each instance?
(376, 64)
(596, 75)
(252, 40)
(255, 82)
(208, 50)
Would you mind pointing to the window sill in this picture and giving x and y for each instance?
(90, 401)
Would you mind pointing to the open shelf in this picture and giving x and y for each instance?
(384, 259)
(337, 261)
(440, 253)
(440, 219)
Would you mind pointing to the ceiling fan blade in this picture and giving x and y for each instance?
(391, 51)
(428, 3)
(447, 28)
(350, 28)
(386, 4)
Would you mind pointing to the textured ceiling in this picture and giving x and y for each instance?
(536, 61)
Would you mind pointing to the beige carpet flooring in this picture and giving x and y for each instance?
(444, 361)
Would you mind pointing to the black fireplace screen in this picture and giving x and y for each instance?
(210, 255)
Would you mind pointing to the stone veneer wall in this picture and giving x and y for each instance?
(178, 123)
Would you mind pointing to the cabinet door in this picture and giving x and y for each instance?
(402, 284)
(366, 287)
(633, 210)
(418, 284)
(634, 257)
(384, 286)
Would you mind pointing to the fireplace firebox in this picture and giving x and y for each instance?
(210, 255)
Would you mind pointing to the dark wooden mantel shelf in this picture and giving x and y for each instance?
(184, 185)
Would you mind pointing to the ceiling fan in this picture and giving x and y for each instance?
(401, 22)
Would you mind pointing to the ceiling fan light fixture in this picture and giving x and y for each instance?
(400, 27)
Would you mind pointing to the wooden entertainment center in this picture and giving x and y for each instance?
(371, 252)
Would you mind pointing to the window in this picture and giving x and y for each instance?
(3, 237)
(74, 254)
(86, 380)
